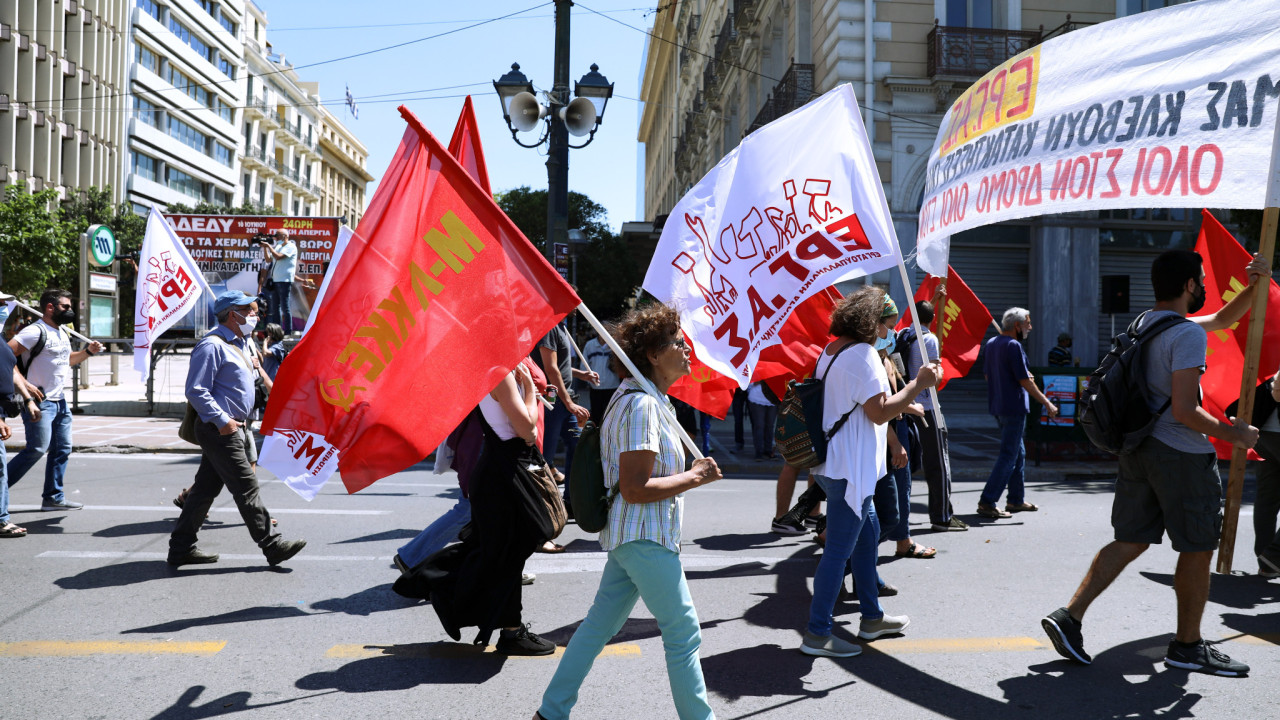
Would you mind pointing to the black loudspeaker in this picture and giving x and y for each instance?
(1115, 294)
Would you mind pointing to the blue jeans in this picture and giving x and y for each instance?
(4, 490)
(640, 569)
(560, 425)
(52, 434)
(1010, 463)
(851, 540)
(279, 311)
(763, 418)
(705, 440)
(437, 534)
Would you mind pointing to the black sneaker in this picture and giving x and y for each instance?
(811, 521)
(192, 557)
(1203, 657)
(522, 641)
(284, 550)
(1064, 631)
(786, 526)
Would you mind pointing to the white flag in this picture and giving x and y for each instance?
(794, 209)
(169, 285)
(345, 234)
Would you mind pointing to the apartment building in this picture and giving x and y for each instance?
(719, 69)
(343, 172)
(63, 93)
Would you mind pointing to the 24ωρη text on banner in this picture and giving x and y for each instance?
(794, 209)
(1169, 108)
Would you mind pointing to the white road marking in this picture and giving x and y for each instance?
(171, 509)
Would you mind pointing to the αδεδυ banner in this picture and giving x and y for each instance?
(1169, 108)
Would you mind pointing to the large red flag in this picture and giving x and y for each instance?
(465, 146)
(963, 320)
(1224, 278)
(440, 296)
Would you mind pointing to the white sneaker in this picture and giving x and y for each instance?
(887, 625)
(829, 646)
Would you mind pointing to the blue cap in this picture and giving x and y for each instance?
(230, 299)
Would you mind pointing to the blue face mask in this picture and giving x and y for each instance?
(885, 343)
(4, 313)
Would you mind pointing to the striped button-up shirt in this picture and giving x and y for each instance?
(635, 423)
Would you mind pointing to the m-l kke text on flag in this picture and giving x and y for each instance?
(170, 284)
(794, 209)
(960, 324)
(441, 297)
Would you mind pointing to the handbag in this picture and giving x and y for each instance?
(799, 436)
(187, 430)
(549, 493)
(12, 404)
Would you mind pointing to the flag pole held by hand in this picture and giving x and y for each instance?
(667, 415)
(32, 310)
(924, 355)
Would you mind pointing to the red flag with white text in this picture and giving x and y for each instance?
(439, 297)
(960, 323)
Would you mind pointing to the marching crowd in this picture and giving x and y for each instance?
(879, 423)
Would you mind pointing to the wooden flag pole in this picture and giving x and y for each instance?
(1248, 384)
(31, 310)
(915, 322)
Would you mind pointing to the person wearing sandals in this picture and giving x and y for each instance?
(897, 526)
(644, 461)
(11, 383)
(856, 389)
(1009, 386)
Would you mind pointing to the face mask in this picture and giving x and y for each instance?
(65, 316)
(1022, 337)
(4, 313)
(1197, 301)
(885, 343)
(250, 322)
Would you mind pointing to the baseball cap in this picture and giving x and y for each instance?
(230, 299)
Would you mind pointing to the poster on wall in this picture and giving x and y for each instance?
(1061, 389)
(227, 248)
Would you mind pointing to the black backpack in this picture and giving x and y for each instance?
(25, 359)
(1115, 410)
(590, 499)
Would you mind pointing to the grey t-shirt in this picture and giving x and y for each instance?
(915, 362)
(1180, 347)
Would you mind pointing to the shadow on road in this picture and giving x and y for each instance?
(1237, 591)
(47, 526)
(737, 541)
(186, 709)
(402, 534)
(235, 616)
(1266, 627)
(437, 663)
(137, 571)
(367, 602)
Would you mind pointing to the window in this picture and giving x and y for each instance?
(976, 13)
(184, 183)
(221, 197)
(227, 67)
(148, 59)
(185, 35)
(146, 111)
(186, 134)
(150, 7)
(144, 166)
(220, 108)
(1133, 7)
(183, 82)
(227, 23)
(223, 154)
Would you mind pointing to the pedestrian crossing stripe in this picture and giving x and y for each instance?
(454, 651)
(70, 648)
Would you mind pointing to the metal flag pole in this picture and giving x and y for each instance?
(31, 310)
(667, 415)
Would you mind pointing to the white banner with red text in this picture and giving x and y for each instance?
(169, 286)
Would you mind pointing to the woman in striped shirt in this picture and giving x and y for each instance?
(644, 462)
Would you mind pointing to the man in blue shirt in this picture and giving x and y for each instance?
(1009, 383)
(220, 388)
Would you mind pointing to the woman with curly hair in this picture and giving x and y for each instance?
(644, 465)
(856, 404)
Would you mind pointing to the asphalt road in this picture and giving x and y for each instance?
(94, 624)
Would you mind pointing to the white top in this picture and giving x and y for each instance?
(51, 370)
(755, 394)
(857, 452)
(497, 418)
(283, 269)
(598, 356)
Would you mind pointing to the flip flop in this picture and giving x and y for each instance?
(1024, 507)
(917, 551)
(9, 530)
(550, 548)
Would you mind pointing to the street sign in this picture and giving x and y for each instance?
(102, 245)
(560, 252)
(103, 283)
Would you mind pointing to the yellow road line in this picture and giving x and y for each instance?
(1257, 639)
(907, 646)
(65, 648)
(454, 651)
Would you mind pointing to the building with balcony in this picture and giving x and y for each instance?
(185, 95)
(280, 132)
(343, 172)
(63, 93)
(718, 69)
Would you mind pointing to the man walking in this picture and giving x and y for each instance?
(935, 454)
(220, 388)
(284, 256)
(599, 359)
(1009, 385)
(1170, 482)
(44, 353)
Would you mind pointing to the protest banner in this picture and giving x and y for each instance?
(797, 207)
(440, 297)
(1167, 108)
(170, 285)
(960, 323)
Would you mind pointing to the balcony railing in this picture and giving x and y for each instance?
(972, 52)
(745, 10)
(795, 89)
(728, 33)
(710, 80)
(1063, 29)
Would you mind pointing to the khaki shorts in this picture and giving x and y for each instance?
(1160, 489)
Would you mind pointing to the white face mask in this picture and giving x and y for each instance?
(250, 322)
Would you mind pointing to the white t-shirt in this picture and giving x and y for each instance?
(283, 269)
(51, 370)
(856, 453)
(497, 418)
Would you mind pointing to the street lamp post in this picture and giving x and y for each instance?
(523, 113)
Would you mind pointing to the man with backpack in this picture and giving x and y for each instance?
(45, 358)
(1169, 482)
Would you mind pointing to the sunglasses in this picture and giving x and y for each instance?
(680, 344)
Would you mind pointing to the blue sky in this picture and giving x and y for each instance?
(605, 170)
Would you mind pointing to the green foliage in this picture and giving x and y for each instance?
(207, 208)
(607, 276)
(34, 241)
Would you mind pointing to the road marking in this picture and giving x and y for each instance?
(163, 508)
(910, 646)
(455, 651)
(1256, 639)
(65, 648)
(113, 555)
(545, 564)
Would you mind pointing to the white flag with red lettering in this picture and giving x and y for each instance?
(169, 286)
(793, 210)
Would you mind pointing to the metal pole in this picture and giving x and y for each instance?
(558, 138)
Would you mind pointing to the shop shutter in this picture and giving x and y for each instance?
(1136, 263)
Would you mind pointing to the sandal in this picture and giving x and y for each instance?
(993, 512)
(9, 530)
(1024, 507)
(182, 497)
(917, 551)
(550, 548)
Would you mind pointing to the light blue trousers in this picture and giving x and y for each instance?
(640, 569)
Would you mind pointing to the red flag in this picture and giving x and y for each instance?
(963, 320)
(801, 338)
(440, 297)
(1224, 278)
(465, 146)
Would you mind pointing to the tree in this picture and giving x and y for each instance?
(607, 276)
(33, 241)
